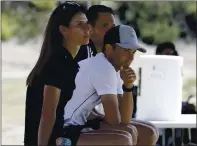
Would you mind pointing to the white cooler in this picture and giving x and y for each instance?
(160, 88)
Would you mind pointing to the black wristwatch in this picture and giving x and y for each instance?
(127, 89)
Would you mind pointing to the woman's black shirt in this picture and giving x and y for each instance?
(59, 72)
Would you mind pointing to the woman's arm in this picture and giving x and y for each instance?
(48, 116)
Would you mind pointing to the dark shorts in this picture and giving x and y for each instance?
(71, 134)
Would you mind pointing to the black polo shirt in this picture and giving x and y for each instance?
(59, 72)
(86, 51)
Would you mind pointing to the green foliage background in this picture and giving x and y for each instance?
(155, 22)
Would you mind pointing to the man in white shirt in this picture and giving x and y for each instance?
(101, 19)
(107, 79)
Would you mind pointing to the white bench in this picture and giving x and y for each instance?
(184, 121)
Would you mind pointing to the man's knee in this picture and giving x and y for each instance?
(129, 128)
(134, 133)
(104, 139)
(148, 132)
(115, 131)
(150, 128)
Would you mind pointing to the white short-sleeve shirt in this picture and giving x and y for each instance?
(96, 77)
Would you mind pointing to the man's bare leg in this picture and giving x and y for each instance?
(147, 133)
(112, 131)
(128, 128)
(104, 138)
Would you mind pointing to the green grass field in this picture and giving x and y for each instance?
(13, 111)
(13, 100)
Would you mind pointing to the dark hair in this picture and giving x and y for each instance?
(161, 47)
(175, 53)
(111, 37)
(93, 13)
(53, 39)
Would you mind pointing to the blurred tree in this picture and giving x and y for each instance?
(7, 32)
(24, 19)
(158, 21)
(154, 22)
(44, 5)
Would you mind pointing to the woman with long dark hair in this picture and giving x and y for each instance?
(51, 81)
(50, 84)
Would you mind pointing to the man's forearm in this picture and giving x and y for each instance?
(126, 107)
(45, 130)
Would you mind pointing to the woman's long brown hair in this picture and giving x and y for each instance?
(62, 15)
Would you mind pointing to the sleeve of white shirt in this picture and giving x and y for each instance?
(120, 83)
(105, 81)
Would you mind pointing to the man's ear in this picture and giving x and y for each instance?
(108, 46)
(108, 49)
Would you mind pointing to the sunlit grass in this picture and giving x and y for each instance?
(13, 100)
(189, 87)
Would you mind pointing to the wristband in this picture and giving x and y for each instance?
(127, 89)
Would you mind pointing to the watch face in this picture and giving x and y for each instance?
(61, 141)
